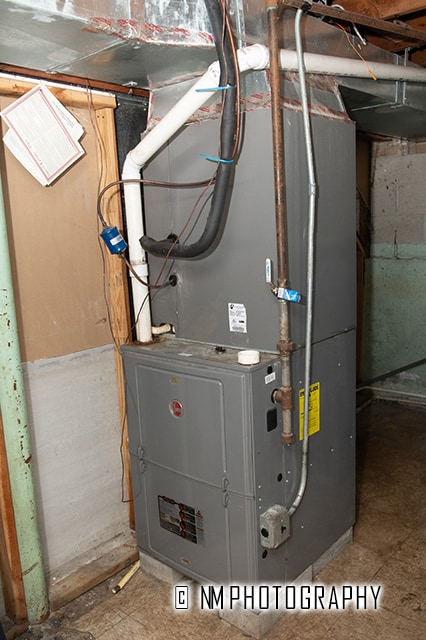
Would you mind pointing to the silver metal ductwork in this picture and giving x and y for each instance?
(155, 44)
(396, 109)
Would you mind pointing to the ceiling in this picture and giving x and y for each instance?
(48, 35)
(410, 14)
(71, 40)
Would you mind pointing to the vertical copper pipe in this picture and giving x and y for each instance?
(285, 345)
(277, 141)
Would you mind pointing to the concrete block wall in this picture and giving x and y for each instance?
(394, 332)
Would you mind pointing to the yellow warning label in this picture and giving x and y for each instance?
(314, 409)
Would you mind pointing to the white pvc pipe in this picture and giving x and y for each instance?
(137, 257)
(253, 57)
(333, 65)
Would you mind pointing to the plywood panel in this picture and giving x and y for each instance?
(56, 256)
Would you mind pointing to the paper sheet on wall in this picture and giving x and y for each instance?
(43, 135)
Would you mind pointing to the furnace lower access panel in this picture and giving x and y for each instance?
(193, 451)
(207, 461)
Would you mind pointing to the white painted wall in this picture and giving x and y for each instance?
(76, 433)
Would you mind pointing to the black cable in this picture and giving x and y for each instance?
(228, 130)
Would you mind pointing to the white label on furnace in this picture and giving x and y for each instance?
(270, 377)
(237, 316)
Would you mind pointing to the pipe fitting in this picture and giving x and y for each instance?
(255, 56)
(287, 438)
(283, 396)
(285, 347)
(163, 328)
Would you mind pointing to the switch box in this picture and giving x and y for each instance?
(274, 526)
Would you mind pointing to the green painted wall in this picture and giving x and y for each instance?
(394, 328)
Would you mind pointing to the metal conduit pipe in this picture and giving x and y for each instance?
(283, 395)
(17, 441)
(310, 264)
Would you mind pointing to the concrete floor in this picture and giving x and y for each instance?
(389, 549)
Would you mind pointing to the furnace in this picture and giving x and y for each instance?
(204, 430)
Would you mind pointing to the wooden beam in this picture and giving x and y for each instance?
(69, 96)
(419, 57)
(385, 9)
(382, 26)
(77, 576)
(364, 7)
(119, 307)
(10, 563)
(86, 83)
(391, 44)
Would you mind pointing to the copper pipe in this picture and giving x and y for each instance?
(285, 345)
(277, 141)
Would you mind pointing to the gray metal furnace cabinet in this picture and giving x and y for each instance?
(207, 461)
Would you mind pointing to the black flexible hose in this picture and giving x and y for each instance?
(228, 76)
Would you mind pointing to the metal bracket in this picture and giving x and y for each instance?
(141, 456)
(225, 495)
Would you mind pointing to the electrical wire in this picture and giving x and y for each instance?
(226, 24)
(152, 183)
(356, 51)
(184, 228)
(102, 153)
(105, 276)
(156, 183)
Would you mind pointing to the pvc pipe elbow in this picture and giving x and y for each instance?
(255, 57)
(131, 169)
(162, 329)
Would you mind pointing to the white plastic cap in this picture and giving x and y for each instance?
(248, 357)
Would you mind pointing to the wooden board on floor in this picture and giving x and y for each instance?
(84, 576)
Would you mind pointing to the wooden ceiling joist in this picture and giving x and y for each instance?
(385, 9)
(350, 17)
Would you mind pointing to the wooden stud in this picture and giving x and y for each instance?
(119, 307)
(10, 564)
